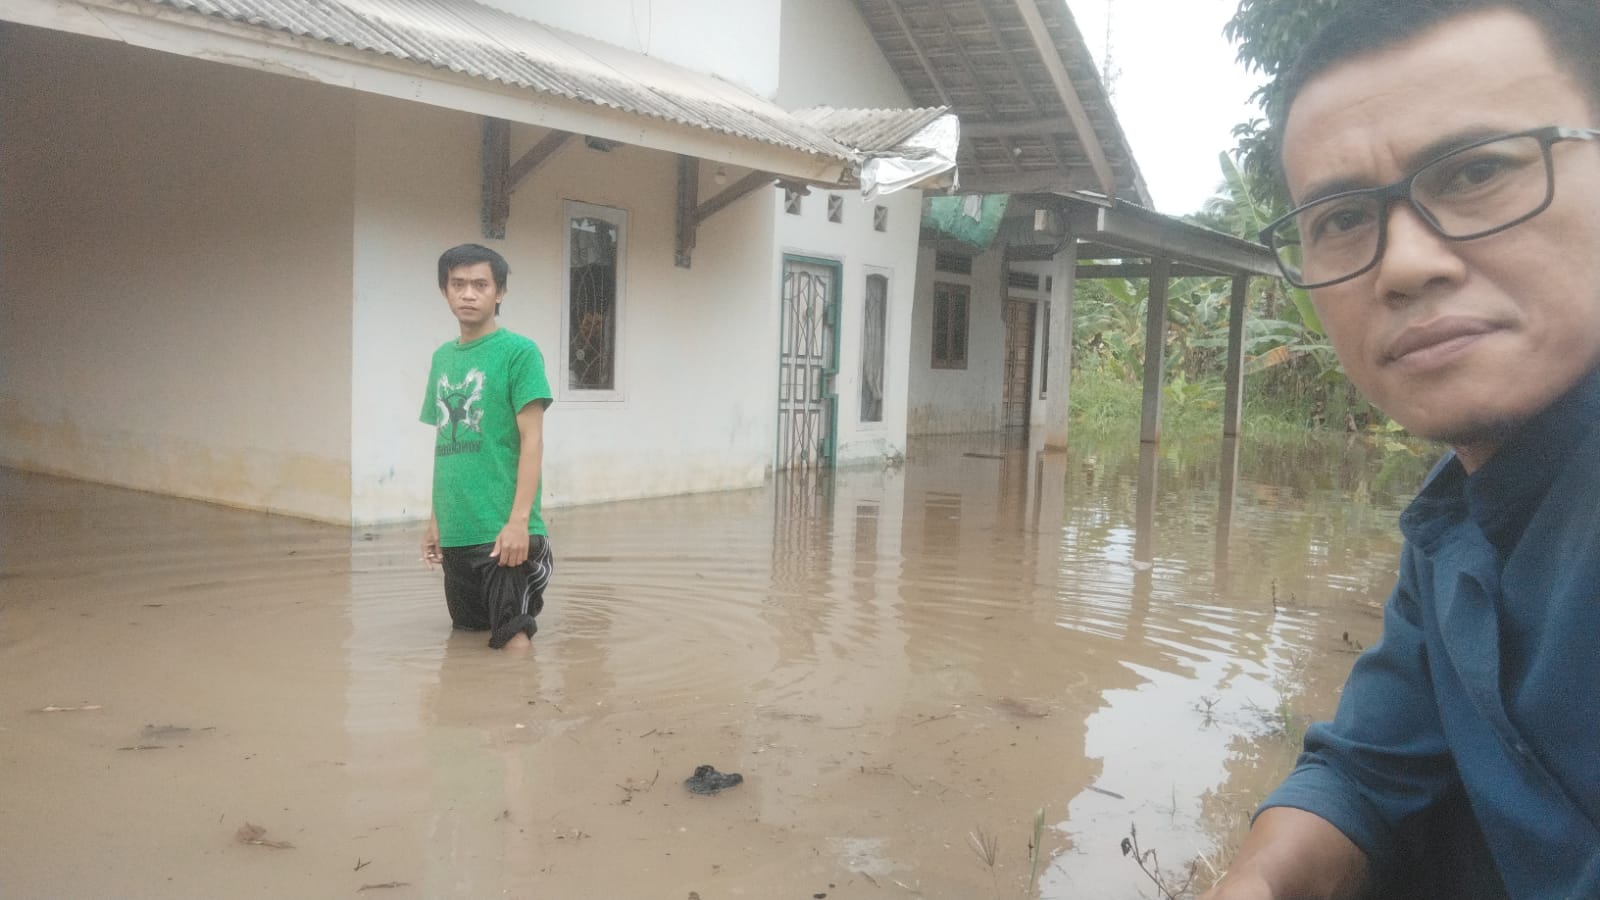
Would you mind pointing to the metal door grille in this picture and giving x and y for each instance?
(806, 365)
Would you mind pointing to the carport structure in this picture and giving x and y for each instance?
(1038, 124)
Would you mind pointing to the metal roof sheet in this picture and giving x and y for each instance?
(482, 42)
(870, 130)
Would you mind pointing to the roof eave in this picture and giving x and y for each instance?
(216, 40)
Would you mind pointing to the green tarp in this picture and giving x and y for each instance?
(973, 219)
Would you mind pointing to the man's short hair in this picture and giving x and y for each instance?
(469, 255)
(1572, 28)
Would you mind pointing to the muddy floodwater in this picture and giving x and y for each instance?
(905, 664)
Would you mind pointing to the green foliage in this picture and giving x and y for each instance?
(1269, 35)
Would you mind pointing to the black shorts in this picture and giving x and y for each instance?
(486, 596)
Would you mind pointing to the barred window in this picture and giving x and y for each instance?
(874, 323)
(950, 325)
(595, 242)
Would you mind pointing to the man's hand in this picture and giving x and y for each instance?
(431, 554)
(511, 547)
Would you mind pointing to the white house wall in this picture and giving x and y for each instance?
(736, 40)
(830, 59)
(955, 401)
(174, 309)
(696, 409)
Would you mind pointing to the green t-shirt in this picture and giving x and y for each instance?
(475, 391)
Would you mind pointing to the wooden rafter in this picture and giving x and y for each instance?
(922, 55)
(748, 184)
(1068, 94)
(972, 73)
(536, 156)
(1016, 73)
(1027, 128)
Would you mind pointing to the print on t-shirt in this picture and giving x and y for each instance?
(459, 405)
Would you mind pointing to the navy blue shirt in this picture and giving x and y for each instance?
(1487, 678)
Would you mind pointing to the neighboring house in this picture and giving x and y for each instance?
(992, 327)
(220, 222)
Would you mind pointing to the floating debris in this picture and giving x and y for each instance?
(707, 780)
(83, 708)
(255, 834)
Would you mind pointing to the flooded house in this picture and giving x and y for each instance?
(234, 210)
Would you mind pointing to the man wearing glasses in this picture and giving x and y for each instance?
(1444, 157)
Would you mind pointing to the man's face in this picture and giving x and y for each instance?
(471, 293)
(1457, 341)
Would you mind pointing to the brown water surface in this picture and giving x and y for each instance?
(904, 664)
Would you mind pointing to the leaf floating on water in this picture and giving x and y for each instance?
(86, 706)
(255, 834)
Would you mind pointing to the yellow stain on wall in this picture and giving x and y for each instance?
(295, 484)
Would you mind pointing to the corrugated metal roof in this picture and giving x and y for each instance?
(482, 42)
(870, 130)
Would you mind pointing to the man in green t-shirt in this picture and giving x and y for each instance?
(486, 398)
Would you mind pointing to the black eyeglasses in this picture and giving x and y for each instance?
(1470, 192)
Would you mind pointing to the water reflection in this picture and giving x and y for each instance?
(893, 658)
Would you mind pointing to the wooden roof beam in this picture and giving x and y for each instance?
(972, 73)
(1068, 94)
(1029, 128)
(922, 54)
(1021, 79)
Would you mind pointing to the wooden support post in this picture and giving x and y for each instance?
(688, 199)
(1226, 489)
(496, 163)
(1233, 375)
(1058, 383)
(1155, 353)
(1144, 504)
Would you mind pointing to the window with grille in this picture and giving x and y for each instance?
(954, 263)
(1026, 281)
(595, 252)
(950, 325)
(874, 323)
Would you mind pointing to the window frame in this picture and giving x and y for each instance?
(943, 290)
(618, 218)
(887, 275)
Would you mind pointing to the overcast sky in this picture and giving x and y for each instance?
(1178, 91)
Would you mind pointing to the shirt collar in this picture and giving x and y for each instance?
(1502, 495)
